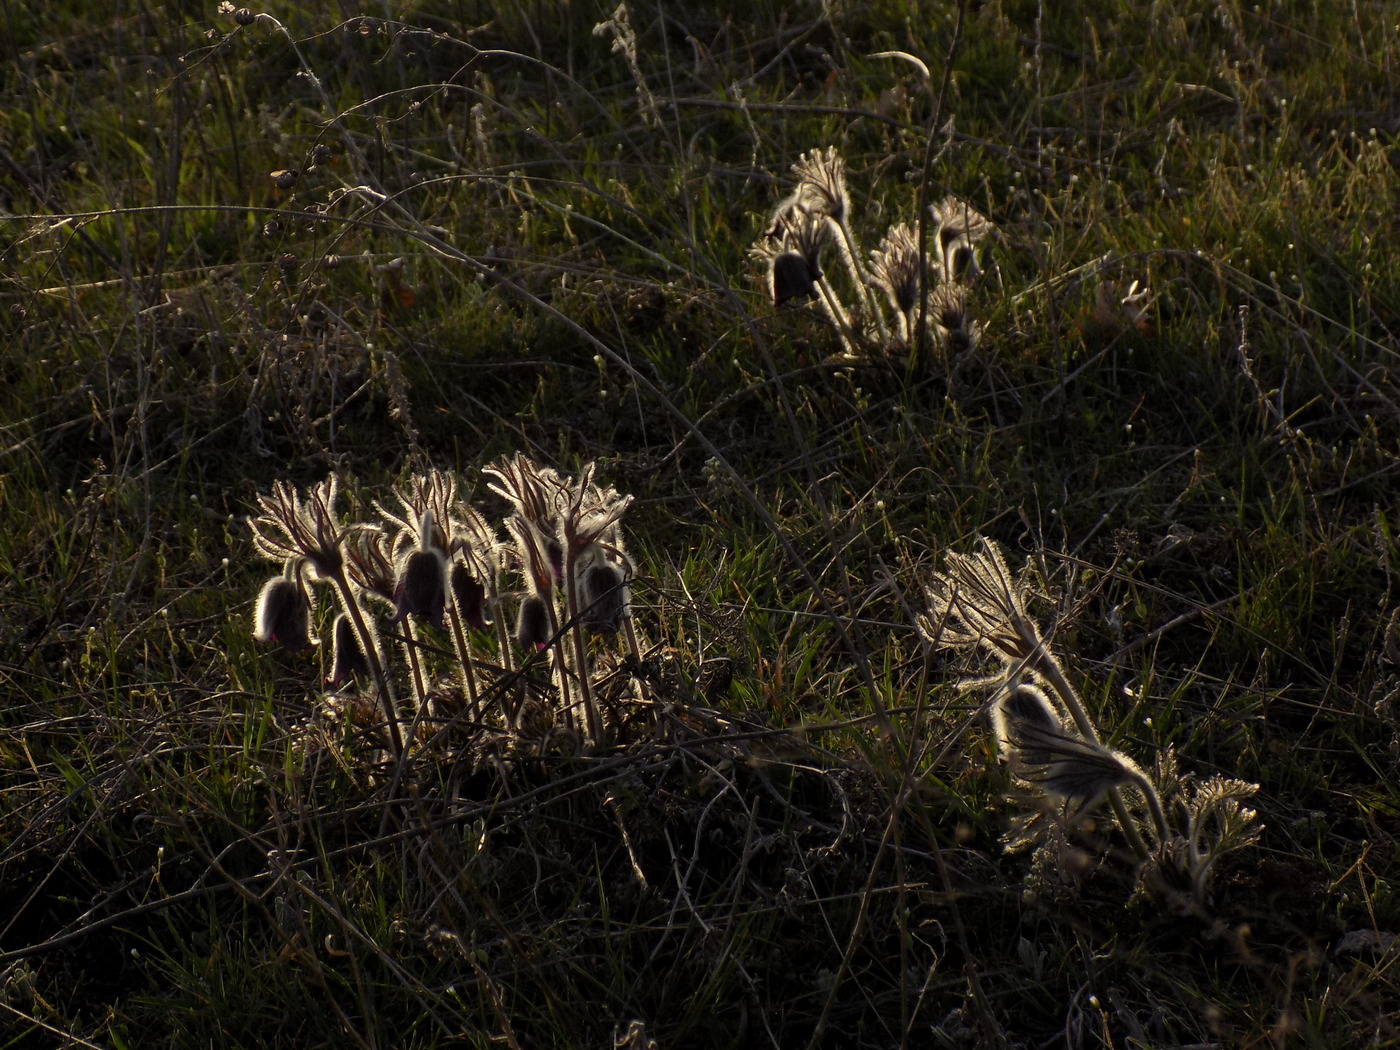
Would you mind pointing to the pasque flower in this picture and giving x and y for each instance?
(349, 660)
(602, 596)
(961, 227)
(284, 611)
(421, 587)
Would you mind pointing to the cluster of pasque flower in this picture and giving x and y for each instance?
(432, 559)
(1178, 826)
(926, 294)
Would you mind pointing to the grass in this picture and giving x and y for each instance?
(515, 237)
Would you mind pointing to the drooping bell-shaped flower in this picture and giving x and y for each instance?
(532, 630)
(1043, 751)
(284, 612)
(790, 276)
(1022, 712)
(960, 228)
(470, 596)
(349, 660)
(602, 597)
(421, 586)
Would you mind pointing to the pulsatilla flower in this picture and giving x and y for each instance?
(793, 253)
(535, 492)
(960, 228)
(470, 596)
(292, 527)
(421, 586)
(1021, 710)
(349, 659)
(896, 268)
(953, 329)
(790, 276)
(1042, 751)
(476, 561)
(284, 611)
(589, 529)
(821, 194)
(602, 597)
(532, 627)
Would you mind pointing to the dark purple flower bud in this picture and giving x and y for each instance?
(284, 615)
(602, 598)
(470, 596)
(532, 631)
(792, 277)
(421, 589)
(349, 660)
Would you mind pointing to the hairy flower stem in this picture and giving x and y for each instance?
(836, 314)
(1154, 806)
(371, 651)
(464, 658)
(1044, 662)
(560, 666)
(859, 277)
(635, 651)
(503, 645)
(590, 711)
(410, 649)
